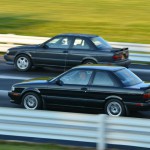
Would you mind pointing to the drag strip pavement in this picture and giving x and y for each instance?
(5, 86)
(9, 76)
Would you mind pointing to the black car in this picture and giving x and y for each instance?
(115, 89)
(67, 50)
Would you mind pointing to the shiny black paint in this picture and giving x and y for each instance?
(85, 96)
(42, 56)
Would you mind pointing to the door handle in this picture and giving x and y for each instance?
(84, 89)
(65, 51)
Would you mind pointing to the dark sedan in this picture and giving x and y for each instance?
(67, 50)
(115, 89)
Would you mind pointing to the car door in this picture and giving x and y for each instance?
(80, 49)
(104, 84)
(73, 90)
(53, 52)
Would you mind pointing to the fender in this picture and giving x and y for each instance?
(113, 96)
(30, 90)
(89, 58)
(24, 53)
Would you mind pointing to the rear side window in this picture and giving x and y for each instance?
(127, 77)
(103, 78)
(80, 44)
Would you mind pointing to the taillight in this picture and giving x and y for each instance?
(146, 95)
(117, 56)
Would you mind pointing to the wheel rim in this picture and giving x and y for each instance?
(114, 109)
(22, 63)
(90, 63)
(30, 102)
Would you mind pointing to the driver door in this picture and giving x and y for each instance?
(73, 91)
(53, 53)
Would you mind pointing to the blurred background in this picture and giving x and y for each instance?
(114, 20)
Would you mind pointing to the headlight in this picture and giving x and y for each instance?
(7, 52)
(12, 88)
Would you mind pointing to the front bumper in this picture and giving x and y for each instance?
(9, 59)
(15, 97)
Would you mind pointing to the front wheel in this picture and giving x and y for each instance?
(115, 108)
(31, 101)
(23, 63)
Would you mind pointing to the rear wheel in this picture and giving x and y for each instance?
(90, 62)
(23, 63)
(31, 101)
(115, 108)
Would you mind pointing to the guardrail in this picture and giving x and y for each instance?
(99, 129)
(11, 40)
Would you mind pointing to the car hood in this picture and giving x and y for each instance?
(141, 85)
(34, 82)
(24, 47)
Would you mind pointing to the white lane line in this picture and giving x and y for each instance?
(4, 92)
(140, 70)
(12, 77)
(26, 78)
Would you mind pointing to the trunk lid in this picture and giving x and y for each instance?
(120, 53)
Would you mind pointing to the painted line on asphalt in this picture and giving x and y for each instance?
(12, 77)
(27, 78)
(140, 70)
(4, 92)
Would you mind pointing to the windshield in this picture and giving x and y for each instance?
(100, 42)
(127, 77)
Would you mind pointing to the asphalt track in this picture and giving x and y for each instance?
(9, 76)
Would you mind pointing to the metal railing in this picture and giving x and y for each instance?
(99, 129)
(136, 50)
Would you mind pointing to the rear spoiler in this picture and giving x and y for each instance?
(118, 50)
(145, 88)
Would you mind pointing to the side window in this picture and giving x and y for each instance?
(80, 44)
(103, 78)
(77, 77)
(59, 42)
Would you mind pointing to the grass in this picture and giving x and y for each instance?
(32, 146)
(115, 20)
(4, 145)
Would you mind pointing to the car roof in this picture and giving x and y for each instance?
(77, 34)
(100, 67)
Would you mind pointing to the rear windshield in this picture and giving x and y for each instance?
(127, 77)
(100, 42)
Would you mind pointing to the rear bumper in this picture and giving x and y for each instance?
(138, 106)
(9, 59)
(124, 63)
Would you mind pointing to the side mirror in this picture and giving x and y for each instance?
(45, 46)
(59, 82)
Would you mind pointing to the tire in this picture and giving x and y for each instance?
(31, 101)
(115, 108)
(23, 63)
(90, 62)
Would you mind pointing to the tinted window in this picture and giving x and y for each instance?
(59, 42)
(77, 77)
(127, 77)
(80, 44)
(103, 78)
(100, 42)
